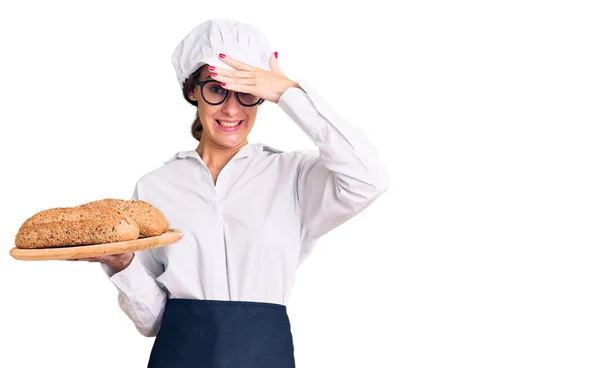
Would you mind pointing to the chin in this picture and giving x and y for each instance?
(229, 140)
(231, 143)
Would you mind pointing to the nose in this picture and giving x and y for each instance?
(231, 105)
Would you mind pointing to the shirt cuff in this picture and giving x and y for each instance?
(130, 279)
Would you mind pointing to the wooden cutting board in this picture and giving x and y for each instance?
(61, 253)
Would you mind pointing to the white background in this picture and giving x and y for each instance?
(484, 252)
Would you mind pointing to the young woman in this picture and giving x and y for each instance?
(250, 213)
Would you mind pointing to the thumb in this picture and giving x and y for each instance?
(274, 64)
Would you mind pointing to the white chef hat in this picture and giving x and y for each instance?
(206, 41)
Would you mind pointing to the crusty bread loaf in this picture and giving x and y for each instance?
(150, 219)
(68, 226)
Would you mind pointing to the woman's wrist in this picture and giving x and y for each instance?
(121, 263)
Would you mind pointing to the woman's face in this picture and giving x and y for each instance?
(226, 125)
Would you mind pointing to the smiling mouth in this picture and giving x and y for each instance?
(229, 123)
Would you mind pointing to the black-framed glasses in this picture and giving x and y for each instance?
(214, 93)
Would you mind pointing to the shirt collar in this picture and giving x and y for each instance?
(246, 151)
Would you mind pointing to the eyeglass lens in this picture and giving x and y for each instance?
(214, 93)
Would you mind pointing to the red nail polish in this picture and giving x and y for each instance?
(221, 55)
(223, 84)
(211, 68)
(276, 54)
(213, 74)
(76, 259)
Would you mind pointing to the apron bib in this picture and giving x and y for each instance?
(223, 334)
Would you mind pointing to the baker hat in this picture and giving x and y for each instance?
(203, 44)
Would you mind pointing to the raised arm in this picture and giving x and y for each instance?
(344, 177)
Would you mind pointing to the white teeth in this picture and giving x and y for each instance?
(227, 124)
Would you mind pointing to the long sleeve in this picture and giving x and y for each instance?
(345, 176)
(140, 296)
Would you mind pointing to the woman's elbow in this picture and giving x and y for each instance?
(381, 184)
(370, 189)
(148, 332)
(362, 193)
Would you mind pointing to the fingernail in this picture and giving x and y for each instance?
(223, 84)
(221, 56)
(276, 54)
(211, 68)
(213, 74)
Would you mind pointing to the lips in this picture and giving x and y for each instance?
(229, 125)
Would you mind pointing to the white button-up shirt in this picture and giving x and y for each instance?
(245, 235)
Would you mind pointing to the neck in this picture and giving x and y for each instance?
(216, 157)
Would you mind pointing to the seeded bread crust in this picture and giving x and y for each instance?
(71, 226)
(150, 219)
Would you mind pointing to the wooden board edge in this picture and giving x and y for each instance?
(170, 236)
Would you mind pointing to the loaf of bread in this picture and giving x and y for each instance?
(68, 226)
(98, 222)
(149, 218)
